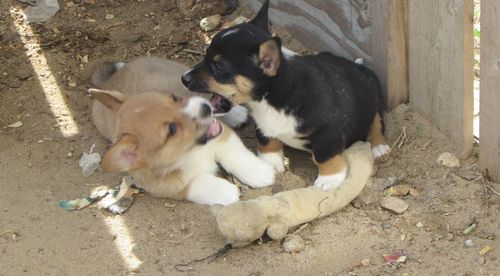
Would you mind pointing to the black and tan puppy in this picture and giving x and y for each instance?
(320, 103)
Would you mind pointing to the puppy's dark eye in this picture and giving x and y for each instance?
(172, 129)
(174, 97)
(219, 67)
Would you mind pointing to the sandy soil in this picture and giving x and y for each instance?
(39, 166)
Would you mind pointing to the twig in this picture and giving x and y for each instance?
(193, 52)
(300, 228)
(401, 139)
(488, 186)
(6, 232)
(219, 253)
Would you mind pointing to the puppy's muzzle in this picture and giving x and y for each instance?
(192, 82)
(199, 109)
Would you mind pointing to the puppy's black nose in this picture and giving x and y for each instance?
(186, 78)
(205, 110)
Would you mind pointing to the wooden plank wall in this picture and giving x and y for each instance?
(489, 128)
(370, 29)
(440, 66)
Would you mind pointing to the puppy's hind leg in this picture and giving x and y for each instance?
(331, 172)
(242, 163)
(211, 190)
(380, 149)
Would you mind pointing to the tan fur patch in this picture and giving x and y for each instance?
(239, 92)
(332, 166)
(376, 137)
(269, 56)
(274, 145)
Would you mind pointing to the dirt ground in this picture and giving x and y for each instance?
(39, 167)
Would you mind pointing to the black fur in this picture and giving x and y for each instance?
(334, 99)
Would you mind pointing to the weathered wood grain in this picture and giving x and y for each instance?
(337, 26)
(489, 127)
(375, 30)
(440, 66)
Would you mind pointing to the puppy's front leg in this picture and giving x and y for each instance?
(271, 151)
(210, 190)
(242, 163)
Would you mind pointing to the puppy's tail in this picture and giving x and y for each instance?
(104, 72)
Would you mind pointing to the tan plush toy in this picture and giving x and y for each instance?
(245, 221)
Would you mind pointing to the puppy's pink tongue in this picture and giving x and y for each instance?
(214, 128)
(216, 99)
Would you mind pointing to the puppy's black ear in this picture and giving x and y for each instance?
(111, 99)
(270, 56)
(261, 19)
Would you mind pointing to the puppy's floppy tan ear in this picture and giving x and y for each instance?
(109, 98)
(270, 56)
(123, 156)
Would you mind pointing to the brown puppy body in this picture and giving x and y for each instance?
(169, 144)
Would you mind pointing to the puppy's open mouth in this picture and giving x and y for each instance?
(214, 130)
(220, 104)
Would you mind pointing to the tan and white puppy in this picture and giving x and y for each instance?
(168, 142)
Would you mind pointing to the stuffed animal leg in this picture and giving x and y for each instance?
(245, 221)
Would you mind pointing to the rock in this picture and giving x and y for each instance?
(398, 190)
(16, 124)
(479, 260)
(386, 224)
(469, 243)
(185, 4)
(293, 243)
(167, 4)
(448, 160)
(109, 16)
(210, 23)
(394, 204)
(414, 192)
(236, 21)
(365, 262)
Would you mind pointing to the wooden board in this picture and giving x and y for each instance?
(390, 48)
(370, 29)
(440, 66)
(489, 127)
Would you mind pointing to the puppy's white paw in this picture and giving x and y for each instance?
(236, 116)
(381, 151)
(260, 174)
(327, 182)
(213, 190)
(276, 159)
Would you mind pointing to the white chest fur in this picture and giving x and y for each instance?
(277, 124)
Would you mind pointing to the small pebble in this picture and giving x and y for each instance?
(109, 16)
(183, 227)
(394, 204)
(210, 23)
(469, 243)
(479, 260)
(386, 225)
(16, 124)
(293, 243)
(448, 160)
(365, 262)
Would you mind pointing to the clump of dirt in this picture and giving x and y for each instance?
(39, 166)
